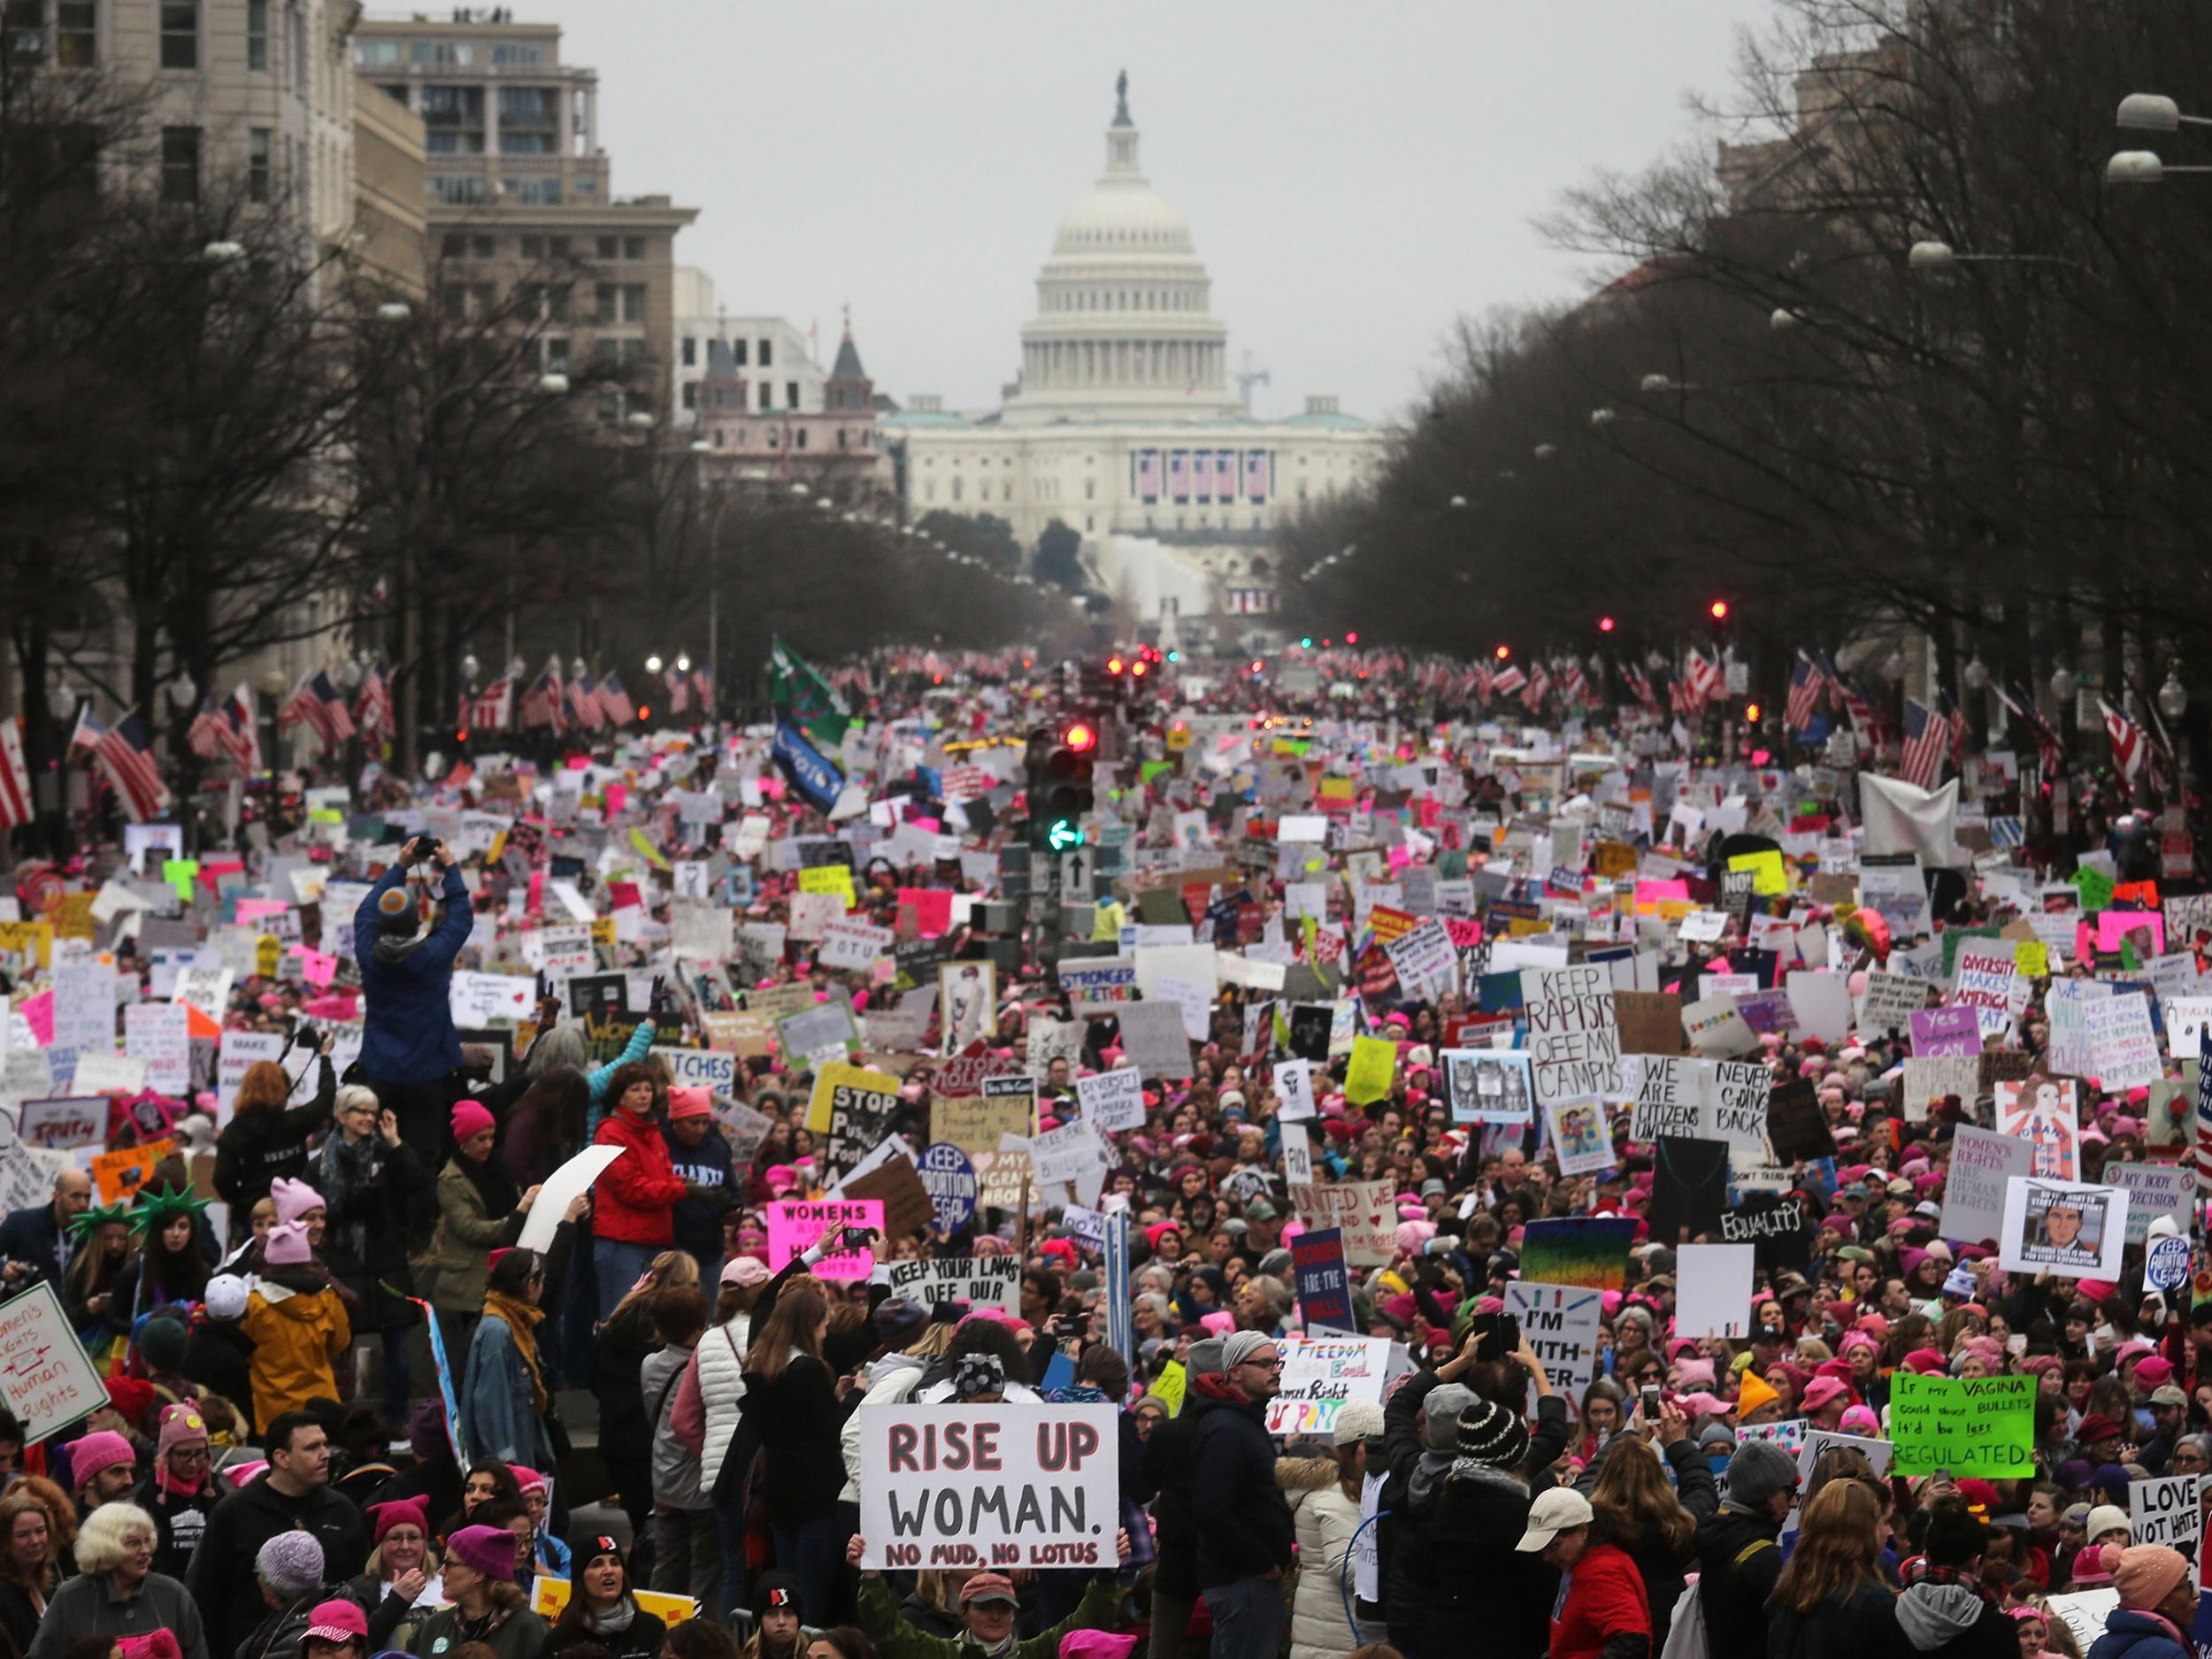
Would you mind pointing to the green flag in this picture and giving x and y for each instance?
(796, 688)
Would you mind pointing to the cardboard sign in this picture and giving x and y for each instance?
(1983, 1164)
(1574, 1039)
(2163, 1511)
(837, 1084)
(1324, 1288)
(61, 1124)
(2063, 1228)
(898, 1185)
(975, 1124)
(1713, 1298)
(46, 1379)
(1666, 1097)
(1560, 1324)
(1950, 1030)
(549, 1596)
(1366, 1212)
(1967, 1425)
(1587, 1252)
(117, 1176)
(982, 1281)
(1320, 1374)
(698, 1068)
(1579, 1137)
(1112, 1100)
(1000, 1486)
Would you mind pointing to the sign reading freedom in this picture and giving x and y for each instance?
(1967, 1425)
(989, 1486)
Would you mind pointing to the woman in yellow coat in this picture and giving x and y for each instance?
(298, 1327)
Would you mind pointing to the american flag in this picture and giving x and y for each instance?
(1509, 679)
(493, 707)
(1147, 474)
(1926, 738)
(1639, 684)
(1573, 684)
(1954, 719)
(2130, 742)
(1865, 718)
(126, 755)
(1538, 688)
(372, 708)
(1806, 684)
(583, 703)
(316, 701)
(241, 730)
(678, 691)
(1708, 676)
(615, 701)
(1259, 475)
(1484, 681)
(205, 736)
(15, 778)
(541, 704)
(2049, 752)
(703, 682)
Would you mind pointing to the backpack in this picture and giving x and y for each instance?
(1686, 1636)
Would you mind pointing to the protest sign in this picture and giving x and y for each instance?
(1366, 1211)
(1560, 1323)
(477, 1000)
(1877, 1453)
(1736, 1098)
(1322, 1373)
(1153, 1036)
(1966, 1425)
(794, 1227)
(160, 1035)
(1574, 1039)
(2122, 1048)
(1774, 1224)
(2163, 1511)
(892, 1181)
(1000, 1486)
(559, 1190)
(117, 1176)
(837, 1084)
(62, 1124)
(2153, 1190)
(1666, 1096)
(2062, 1228)
(1891, 1000)
(1324, 1290)
(1373, 1065)
(1293, 1084)
(948, 1177)
(1983, 1164)
(2042, 1112)
(1487, 1085)
(975, 1124)
(1945, 1031)
(1578, 1136)
(1112, 1100)
(698, 1068)
(47, 1380)
(1587, 1252)
(982, 1281)
(1713, 1298)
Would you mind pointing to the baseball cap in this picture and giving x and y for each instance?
(337, 1621)
(1560, 1509)
(989, 1586)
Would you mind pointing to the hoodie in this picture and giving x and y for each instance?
(221, 1576)
(1952, 1619)
(298, 1326)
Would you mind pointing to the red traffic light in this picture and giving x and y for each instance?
(1079, 738)
(1351, 636)
(1113, 664)
(1257, 664)
(1503, 652)
(1719, 607)
(1605, 625)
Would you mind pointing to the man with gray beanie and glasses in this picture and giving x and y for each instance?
(1245, 1532)
(1171, 1461)
(1737, 1557)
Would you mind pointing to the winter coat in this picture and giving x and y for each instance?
(676, 1484)
(520, 1635)
(634, 1200)
(705, 1414)
(1475, 1513)
(460, 1260)
(1244, 1526)
(1951, 1620)
(499, 1413)
(1604, 1614)
(698, 1221)
(87, 1606)
(891, 1380)
(258, 1148)
(1864, 1623)
(642, 1639)
(799, 1418)
(640, 1045)
(383, 1210)
(1324, 1520)
(221, 1576)
(1660, 1566)
(179, 1521)
(407, 1033)
(625, 1433)
(1738, 1561)
(297, 1335)
(895, 1639)
(2130, 1634)
(1171, 1462)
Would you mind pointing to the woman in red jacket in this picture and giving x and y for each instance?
(633, 1217)
(1603, 1611)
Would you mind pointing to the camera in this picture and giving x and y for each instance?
(418, 850)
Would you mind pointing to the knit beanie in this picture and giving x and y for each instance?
(102, 1449)
(471, 1120)
(1240, 1346)
(1493, 1435)
(1758, 1470)
(401, 1512)
(489, 1550)
(1441, 1411)
(291, 1563)
(582, 1551)
(294, 1199)
(179, 1423)
(286, 1245)
(2145, 1573)
(162, 1341)
(1205, 1356)
(1752, 1392)
(772, 1590)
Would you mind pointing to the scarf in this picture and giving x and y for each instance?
(615, 1620)
(522, 1320)
(346, 1170)
(495, 1189)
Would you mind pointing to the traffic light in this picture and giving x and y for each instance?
(1058, 770)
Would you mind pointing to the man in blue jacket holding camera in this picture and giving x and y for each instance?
(410, 1054)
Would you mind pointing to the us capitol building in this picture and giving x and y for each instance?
(1123, 424)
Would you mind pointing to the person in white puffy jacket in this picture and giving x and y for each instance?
(1324, 1507)
(915, 1339)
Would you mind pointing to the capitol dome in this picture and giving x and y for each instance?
(1123, 327)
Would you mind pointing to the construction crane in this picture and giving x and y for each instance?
(1248, 377)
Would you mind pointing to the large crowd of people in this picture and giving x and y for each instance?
(442, 1298)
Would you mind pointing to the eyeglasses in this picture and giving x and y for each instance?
(1264, 1364)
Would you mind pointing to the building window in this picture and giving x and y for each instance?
(448, 54)
(607, 302)
(468, 190)
(633, 247)
(257, 35)
(691, 351)
(557, 247)
(956, 488)
(557, 354)
(1090, 489)
(77, 33)
(791, 394)
(737, 352)
(373, 54)
(181, 38)
(799, 441)
(556, 301)
(179, 164)
(929, 490)
(536, 192)
(767, 396)
(534, 247)
(691, 392)
(632, 353)
(633, 301)
(517, 54)
(259, 143)
(766, 359)
(841, 438)
(610, 246)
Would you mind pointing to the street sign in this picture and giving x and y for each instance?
(1076, 867)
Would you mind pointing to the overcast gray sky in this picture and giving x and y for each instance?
(1355, 175)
